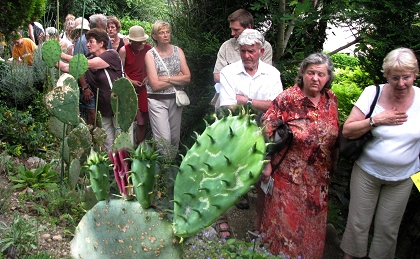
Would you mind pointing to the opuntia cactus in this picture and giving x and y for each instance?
(74, 173)
(63, 103)
(124, 102)
(79, 141)
(69, 80)
(224, 162)
(51, 52)
(98, 167)
(123, 229)
(143, 173)
(78, 65)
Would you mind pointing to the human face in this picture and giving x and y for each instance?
(18, 42)
(250, 55)
(163, 35)
(94, 46)
(401, 81)
(112, 30)
(236, 29)
(137, 45)
(314, 79)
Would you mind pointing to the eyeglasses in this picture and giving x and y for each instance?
(398, 78)
(91, 41)
(161, 33)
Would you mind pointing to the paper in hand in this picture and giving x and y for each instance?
(268, 186)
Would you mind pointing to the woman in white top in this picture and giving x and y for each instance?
(380, 183)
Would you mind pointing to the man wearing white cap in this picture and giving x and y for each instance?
(132, 56)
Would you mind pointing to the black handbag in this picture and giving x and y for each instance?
(352, 148)
(281, 138)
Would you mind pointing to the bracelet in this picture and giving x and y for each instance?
(87, 87)
(169, 78)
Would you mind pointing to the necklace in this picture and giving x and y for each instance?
(138, 50)
(132, 51)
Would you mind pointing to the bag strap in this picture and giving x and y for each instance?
(167, 71)
(109, 79)
(372, 106)
(284, 154)
(107, 74)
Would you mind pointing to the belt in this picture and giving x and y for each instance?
(161, 96)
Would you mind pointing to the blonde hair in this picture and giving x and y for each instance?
(401, 59)
(157, 26)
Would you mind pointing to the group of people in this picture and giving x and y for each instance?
(111, 56)
(292, 219)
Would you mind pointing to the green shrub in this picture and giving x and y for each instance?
(209, 245)
(39, 178)
(23, 134)
(348, 84)
(5, 194)
(22, 234)
(342, 60)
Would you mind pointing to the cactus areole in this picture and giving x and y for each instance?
(222, 165)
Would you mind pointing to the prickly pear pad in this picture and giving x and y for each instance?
(51, 52)
(63, 103)
(123, 229)
(221, 167)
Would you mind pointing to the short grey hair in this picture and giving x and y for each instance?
(98, 21)
(250, 37)
(316, 58)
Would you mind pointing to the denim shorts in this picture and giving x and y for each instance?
(85, 105)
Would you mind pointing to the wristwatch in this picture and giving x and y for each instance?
(371, 122)
(249, 102)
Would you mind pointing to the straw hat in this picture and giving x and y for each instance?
(136, 33)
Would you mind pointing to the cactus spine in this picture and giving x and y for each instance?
(98, 167)
(143, 173)
(221, 166)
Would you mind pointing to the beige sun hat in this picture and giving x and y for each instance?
(136, 33)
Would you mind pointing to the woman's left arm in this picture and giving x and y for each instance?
(94, 63)
(356, 124)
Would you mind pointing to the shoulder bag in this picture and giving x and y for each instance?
(282, 137)
(352, 148)
(180, 95)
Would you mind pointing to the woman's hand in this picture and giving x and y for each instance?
(87, 95)
(390, 117)
(265, 176)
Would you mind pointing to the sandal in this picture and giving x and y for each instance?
(254, 233)
(223, 230)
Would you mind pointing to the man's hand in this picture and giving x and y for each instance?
(241, 99)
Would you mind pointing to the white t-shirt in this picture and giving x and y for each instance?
(393, 154)
(264, 85)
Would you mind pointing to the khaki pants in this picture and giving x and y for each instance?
(112, 130)
(165, 121)
(371, 196)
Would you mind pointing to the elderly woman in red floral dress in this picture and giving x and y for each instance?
(295, 214)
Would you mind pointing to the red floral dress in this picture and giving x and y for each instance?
(295, 215)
